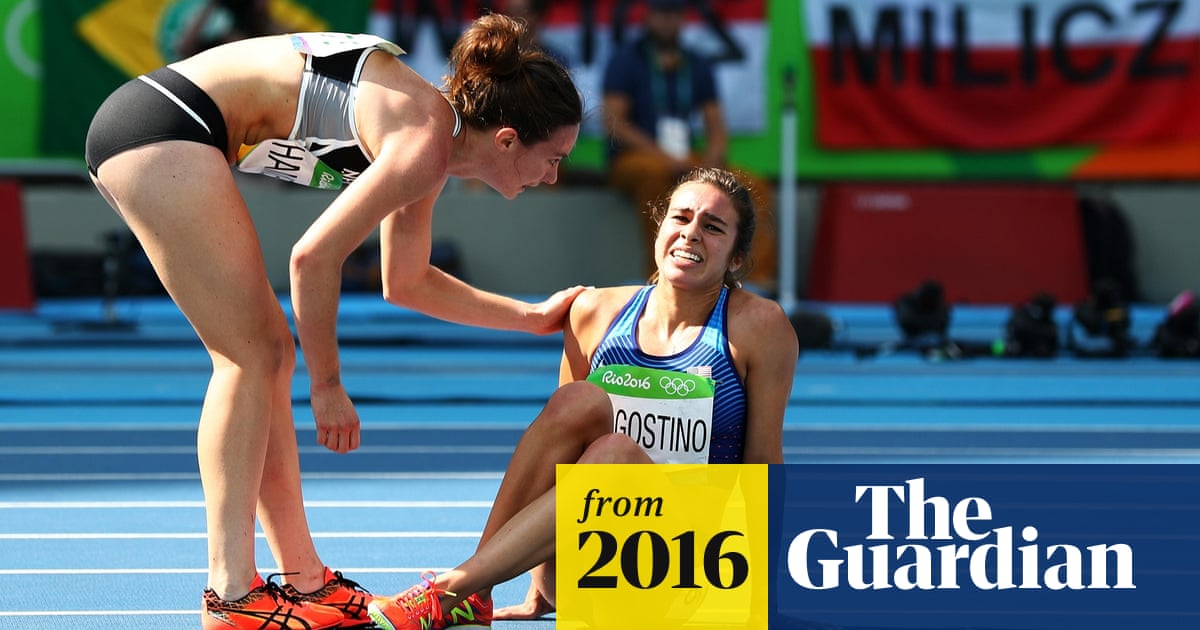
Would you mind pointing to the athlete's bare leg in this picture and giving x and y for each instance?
(541, 598)
(182, 203)
(526, 540)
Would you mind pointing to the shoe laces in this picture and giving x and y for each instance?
(326, 588)
(287, 593)
(410, 599)
(347, 582)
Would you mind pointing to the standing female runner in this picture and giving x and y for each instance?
(324, 110)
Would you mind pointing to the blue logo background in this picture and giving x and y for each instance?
(1155, 509)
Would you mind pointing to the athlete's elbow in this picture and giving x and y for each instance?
(400, 289)
(393, 296)
(314, 268)
(302, 260)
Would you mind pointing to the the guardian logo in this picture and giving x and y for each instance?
(959, 548)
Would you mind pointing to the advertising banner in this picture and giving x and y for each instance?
(1003, 75)
(990, 89)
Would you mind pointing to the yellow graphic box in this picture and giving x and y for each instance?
(661, 546)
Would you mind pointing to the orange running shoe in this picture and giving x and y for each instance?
(266, 606)
(474, 612)
(418, 608)
(342, 594)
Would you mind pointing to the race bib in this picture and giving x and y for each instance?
(289, 161)
(667, 413)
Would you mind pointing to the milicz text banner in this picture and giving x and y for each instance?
(1003, 74)
(1002, 547)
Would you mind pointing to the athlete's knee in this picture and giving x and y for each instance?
(582, 406)
(614, 448)
(283, 354)
(279, 353)
(269, 354)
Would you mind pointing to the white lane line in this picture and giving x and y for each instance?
(1004, 451)
(374, 428)
(335, 476)
(191, 450)
(159, 505)
(97, 613)
(202, 535)
(199, 571)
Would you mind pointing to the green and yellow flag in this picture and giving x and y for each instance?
(90, 47)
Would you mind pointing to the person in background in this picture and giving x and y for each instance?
(654, 87)
(327, 110)
(692, 318)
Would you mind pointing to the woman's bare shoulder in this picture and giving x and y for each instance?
(592, 313)
(753, 314)
(595, 309)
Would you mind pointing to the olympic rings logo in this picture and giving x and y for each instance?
(676, 386)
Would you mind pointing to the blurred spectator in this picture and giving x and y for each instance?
(654, 87)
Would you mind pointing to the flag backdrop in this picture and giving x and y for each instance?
(932, 90)
(92, 46)
(1152, 152)
(19, 73)
(1003, 74)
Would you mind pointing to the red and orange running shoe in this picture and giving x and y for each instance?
(418, 608)
(340, 593)
(266, 607)
(472, 613)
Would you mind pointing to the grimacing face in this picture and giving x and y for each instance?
(696, 240)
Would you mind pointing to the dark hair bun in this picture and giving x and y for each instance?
(490, 48)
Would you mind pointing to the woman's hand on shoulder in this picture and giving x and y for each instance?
(596, 308)
(549, 315)
(580, 306)
(591, 313)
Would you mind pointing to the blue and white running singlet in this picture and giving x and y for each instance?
(710, 351)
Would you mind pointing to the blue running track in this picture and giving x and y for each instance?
(101, 517)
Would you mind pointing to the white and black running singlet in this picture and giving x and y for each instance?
(323, 150)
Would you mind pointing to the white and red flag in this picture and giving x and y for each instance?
(1003, 74)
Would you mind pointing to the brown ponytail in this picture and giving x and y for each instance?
(495, 82)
